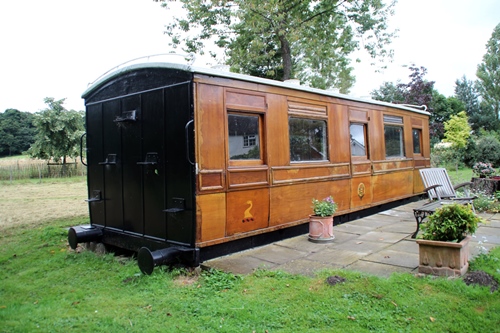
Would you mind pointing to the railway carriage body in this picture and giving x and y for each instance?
(187, 163)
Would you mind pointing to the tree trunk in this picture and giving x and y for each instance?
(63, 168)
(286, 55)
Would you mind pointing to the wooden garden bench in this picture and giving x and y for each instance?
(440, 191)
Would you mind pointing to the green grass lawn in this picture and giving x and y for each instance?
(45, 287)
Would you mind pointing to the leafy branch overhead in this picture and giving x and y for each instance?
(277, 39)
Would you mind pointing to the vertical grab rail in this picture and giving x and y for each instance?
(81, 148)
(187, 141)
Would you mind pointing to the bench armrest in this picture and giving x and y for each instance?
(433, 188)
(462, 185)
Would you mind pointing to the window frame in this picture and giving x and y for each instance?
(325, 138)
(366, 156)
(420, 143)
(247, 162)
(394, 121)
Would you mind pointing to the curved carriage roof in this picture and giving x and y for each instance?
(127, 67)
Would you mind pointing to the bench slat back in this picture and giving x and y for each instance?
(438, 176)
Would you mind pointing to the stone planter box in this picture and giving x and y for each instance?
(443, 258)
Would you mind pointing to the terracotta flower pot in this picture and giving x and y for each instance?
(321, 229)
(443, 258)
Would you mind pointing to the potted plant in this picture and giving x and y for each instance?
(321, 222)
(444, 244)
(483, 169)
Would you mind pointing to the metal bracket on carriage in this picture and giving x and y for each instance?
(96, 196)
(110, 160)
(151, 159)
(126, 116)
(179, 205)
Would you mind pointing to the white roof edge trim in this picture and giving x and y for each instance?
(243, 77)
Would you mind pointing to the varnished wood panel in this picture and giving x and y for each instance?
(252, 86)
(276, 125)
(245, 100)
(417, 123)
(391, 165)
(418, 185)
(361, 168)
(281, 175)
(248, 177)
(422, 163)
(426, 146)
(294, 202)
(376, 141)
(247, 211)
(338, 134)
(391, 186)
(211, 180)
(306, 108)
(358, 115)
(210, 216)
(210, 123)
(408, 136)
(361, 192)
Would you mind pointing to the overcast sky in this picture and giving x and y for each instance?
(54, 48)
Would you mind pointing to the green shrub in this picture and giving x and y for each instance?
(451, 223)
(485, 149)
(484, 202)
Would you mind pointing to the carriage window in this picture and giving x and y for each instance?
(393, 134)
(244, 137)
(358, 139)
(417, 141)
(308, 140)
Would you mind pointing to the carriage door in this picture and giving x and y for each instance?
(138, 164)
(361, 166)
(157, 193)
(247, 174)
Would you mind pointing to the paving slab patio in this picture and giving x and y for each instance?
(379, 244)
(381, 270)
(394, 258)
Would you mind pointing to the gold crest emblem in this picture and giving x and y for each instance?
(361, 190)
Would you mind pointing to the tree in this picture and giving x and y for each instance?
(457, 130)
(416, 92)
(481, 115)
(443, 108)
(466, 91)
(277, 39)
(16, 132)
(389, 92)
(488, 73)
(59, 132)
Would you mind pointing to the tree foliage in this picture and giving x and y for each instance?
(465, 90)
(488, 73)
(481, 115)
(457, 130)
(443, 108)
(416, 92)
(59, 132)
(389, 92)
(307, 39)
(16, 132)
(483, 148)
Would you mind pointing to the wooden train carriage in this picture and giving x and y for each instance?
(191, 163)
